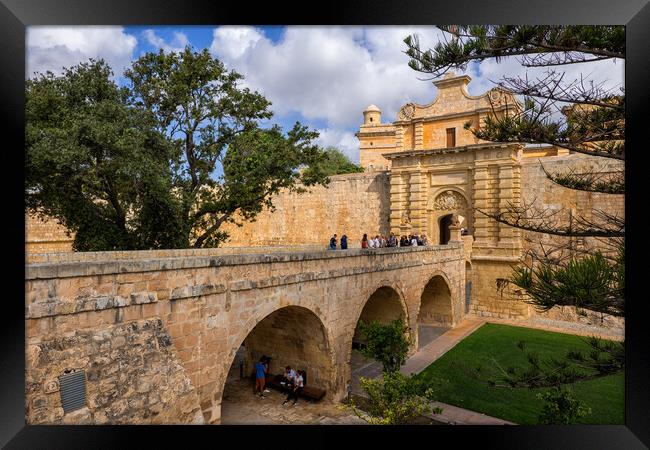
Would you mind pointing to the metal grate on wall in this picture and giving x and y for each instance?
(73, 390)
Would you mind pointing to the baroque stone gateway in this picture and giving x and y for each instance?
(155, 332)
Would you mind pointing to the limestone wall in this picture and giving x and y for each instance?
(539, 190)
(352, 204)
(133, 375)
(45, 236)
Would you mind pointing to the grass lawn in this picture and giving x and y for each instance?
(462, 375)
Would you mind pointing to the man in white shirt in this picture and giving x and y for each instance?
(414, 241)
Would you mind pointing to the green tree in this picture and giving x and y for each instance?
(561, 407)
(393, 399)
(96, 164)
(335, 162)
(210, 119)
(387, 343)
(135, 167)
(578, 115)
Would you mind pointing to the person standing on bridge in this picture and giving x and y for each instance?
(344, 242)
(333, 242)
(364, 241)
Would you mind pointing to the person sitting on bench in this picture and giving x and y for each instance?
(298, 384)
(289, 376)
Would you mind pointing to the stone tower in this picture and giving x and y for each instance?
(375, 138)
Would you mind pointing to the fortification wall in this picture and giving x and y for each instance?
(352, 204)
(543, 194)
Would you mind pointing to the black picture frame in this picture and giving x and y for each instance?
(15, 15)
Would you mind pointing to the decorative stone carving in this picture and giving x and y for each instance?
(405, 218)
(406, 112)
(496, 97)
(449, 200)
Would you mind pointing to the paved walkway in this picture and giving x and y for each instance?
(441, 345)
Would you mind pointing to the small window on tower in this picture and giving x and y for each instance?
(371, 119)
(371, 143)
(451, 137)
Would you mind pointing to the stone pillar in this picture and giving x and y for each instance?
(481, 202)
(398, 199)
(454, 230)
(416, 204)
(505, 197)
(418, 136)
(399, 138)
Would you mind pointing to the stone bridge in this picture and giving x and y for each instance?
(155, 332)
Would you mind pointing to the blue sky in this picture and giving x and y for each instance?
(323, 76)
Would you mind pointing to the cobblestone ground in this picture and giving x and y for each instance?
(241, 407)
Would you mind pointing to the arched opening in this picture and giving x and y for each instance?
(384, 306)
(445, 235)
(435, 315)
(292, 336)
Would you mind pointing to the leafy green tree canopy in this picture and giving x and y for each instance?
(335, 162)
(387, 343)
(163, 162)
(209, 119)
(393, 399)
(96, 164)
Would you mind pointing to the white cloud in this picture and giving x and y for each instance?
(177, 44)
(345, 141)
(52, 48)
(326, 73)
(331, 74)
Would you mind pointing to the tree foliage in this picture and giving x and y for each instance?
(393, 399)
(577, 114)
(335, 162)
(163, 162)
(561, 407)
(96, 164)
(387, 343)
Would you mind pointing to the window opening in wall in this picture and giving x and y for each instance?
(451, 137)
(371, 119)
(73, 390)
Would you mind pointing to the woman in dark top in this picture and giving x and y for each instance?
(344, 242)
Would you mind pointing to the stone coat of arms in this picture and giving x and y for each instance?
(406, 112)
(449, 200)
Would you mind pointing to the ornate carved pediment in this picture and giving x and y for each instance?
(449, 200)
(406, 112)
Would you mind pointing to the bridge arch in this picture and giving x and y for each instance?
(384, 304)
(436, 302)
(291, 335)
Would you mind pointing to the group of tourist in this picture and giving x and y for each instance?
(381, 241)
(293, 381)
